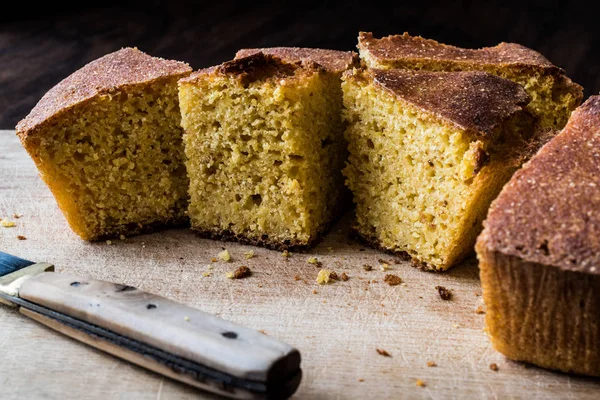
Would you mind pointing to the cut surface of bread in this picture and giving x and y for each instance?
(539, 253)
(553, 95)
(264, 145)
(428, 153)
(108, 143)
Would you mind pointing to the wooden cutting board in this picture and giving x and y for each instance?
(337, 327)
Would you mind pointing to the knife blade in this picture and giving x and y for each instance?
(153, 332)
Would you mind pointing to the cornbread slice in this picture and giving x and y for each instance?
(107, 141)
(539, 253)
(553, 95)
(265, 149)
(428, 153)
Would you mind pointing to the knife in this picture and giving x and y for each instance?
(153, 332)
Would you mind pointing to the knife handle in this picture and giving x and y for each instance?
(164, 336)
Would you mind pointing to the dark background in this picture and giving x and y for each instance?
(42, 44)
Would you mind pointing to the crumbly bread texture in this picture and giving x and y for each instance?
(332, 60)
(553, 95)
(107, 141)
(265, 149)
(428, 153)
(539, 253)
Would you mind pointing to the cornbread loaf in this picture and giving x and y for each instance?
(553, 95)
(539, 253)
(428, 153)
(264, 145)
(108, 143)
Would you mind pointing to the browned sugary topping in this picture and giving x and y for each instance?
(128, 66)
(332, 60)
(241, 272)
(258, 67)
(445, 294)
(475, 101)
(413, 48)
(549, 212)
(383, 352)
(494, 367)
(392, 280)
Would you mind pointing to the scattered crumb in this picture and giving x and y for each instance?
(374, 281)
(382, 352)
(186, 318)
(334, 276)
(240, 273)
(477, 294)
(225, 256)
(109, 242)
(262, 331)
(382, 261)
(21, 237)
(420, 383)
(210, 267)
(315, 291)
(345, 276)
(325, 276)
(367, 267)
(392, 280)
(286, 254)
(455, 325)
(122, 237)
(494, 367)
(431, 364)
(206, 274)
(249, 254)
(384, 266)
(17, 215)
(213, 260)
(480, 310)
(7, 224)
(314, 261)
(297, 278)
(445, 294)
(361, 380)
(260, 285)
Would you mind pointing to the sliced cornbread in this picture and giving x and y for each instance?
(539, 253)
(428, 153)
(263, 139)
(553, 95)
(108, 143)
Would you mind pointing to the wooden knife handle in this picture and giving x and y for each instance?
(180, 342)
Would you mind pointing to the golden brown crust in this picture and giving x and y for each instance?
(332, 60)
(548, 212)
(545, 316)
(257, 67)
(475, 101)
(414, 48)
(128, 66)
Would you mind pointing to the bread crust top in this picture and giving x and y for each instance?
(332, 60)
(414, 48)
(474, 101)
(128, 66)
(258, 67)
(549, 212)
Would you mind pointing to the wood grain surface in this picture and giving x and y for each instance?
(337, 327)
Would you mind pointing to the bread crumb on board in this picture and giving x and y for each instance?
(480, 310)
(494, 367)
(249, 254)
(431, 364)
(21, 237)
(367, 267)
(225, 256)
(445, 294)
(314, 261)
(326, 276)
(7, 224)
(392, 280)
(344, 276)
(240, 273)
(420, 383)
(383, 352)
(17, 215)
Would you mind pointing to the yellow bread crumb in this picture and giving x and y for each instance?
(225, 256)
(249, 254)
(7, 224)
